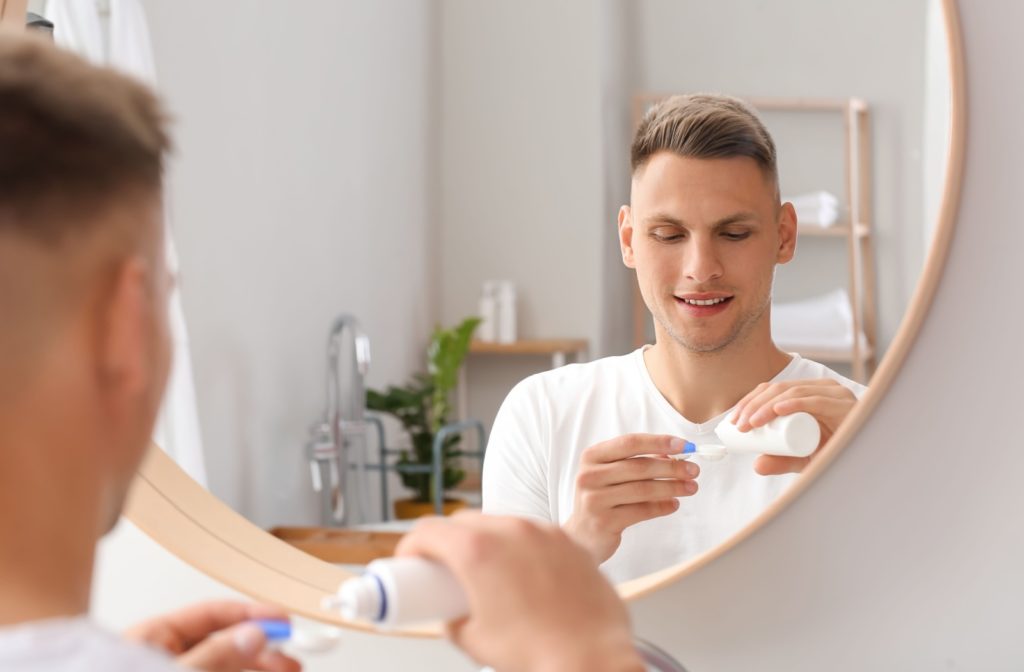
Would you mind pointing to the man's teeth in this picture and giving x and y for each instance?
(706, 302)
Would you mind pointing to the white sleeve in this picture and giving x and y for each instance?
(515, 479)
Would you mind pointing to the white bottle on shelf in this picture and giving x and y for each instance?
(487, 330)
(400, 592)
(507, 312)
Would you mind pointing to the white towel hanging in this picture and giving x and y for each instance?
(79, 27)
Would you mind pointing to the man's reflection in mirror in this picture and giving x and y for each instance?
(587, 446)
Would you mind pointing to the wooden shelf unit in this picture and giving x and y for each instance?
(558, 349)
(552, 347)
(857, 230)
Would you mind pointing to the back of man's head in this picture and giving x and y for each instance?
(81, 257)
(73, 138)
(705, 126)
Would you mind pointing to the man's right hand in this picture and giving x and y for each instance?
(536, 600)
(624, 481)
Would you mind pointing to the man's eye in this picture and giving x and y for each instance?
(666, 237)
(737, 236)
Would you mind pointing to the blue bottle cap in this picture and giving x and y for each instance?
(275, 630)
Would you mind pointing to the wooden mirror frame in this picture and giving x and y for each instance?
(194, 525)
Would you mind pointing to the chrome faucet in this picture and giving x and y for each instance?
(338, 441)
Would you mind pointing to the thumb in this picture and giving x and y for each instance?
(229, 650)
(775, 465)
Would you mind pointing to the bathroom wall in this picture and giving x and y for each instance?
(302, 187)
(521, 173)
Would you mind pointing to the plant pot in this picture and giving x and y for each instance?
(406, 509)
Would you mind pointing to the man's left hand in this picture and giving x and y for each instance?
(826, 399)
(216, 637)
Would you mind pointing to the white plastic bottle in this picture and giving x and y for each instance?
(795, 435)
(487, 330)
(507, 312)
(399, 592)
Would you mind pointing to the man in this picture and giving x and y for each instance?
(585, 446)
(84, 356)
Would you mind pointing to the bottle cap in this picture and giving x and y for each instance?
(274, 630)
(359, 599)
(689, 448)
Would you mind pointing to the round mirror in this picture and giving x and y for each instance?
(416, 166)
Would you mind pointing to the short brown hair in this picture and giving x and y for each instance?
(704, 126)
(73, 138)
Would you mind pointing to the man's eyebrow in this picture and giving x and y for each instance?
(735, 218)
(664, 218)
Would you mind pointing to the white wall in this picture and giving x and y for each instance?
(302, 188)
(521, 172)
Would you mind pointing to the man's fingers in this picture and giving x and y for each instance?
(428, 537)
(602, 503)
(230, 650)
(761, 395)
(461, 540)
(828, 410)
(180, 630)
(633, 445)
(737, 411)
(242, 647)
(635, 469)
(637, 492)
(631, 514)
(774, 465)
(760, 407)
(275, 661)
(455, 632)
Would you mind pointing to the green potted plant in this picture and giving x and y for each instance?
(423, 406)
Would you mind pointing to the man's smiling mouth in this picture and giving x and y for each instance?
(705, 302)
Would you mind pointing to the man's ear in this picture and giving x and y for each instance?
(787, 233)
(125, 357)
(626, 236)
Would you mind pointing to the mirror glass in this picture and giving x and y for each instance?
(413, 165)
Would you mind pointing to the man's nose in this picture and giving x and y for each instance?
(701, 261)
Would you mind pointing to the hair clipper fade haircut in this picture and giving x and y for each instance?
(705, 126)
(73, 139)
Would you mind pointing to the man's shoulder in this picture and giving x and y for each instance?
(76, 645)
(801, 368)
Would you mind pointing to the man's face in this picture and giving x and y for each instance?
(704, 236)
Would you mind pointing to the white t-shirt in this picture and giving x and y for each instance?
(547, 421)
(74, 645)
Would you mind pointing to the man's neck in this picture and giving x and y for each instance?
(703, 385)
(48, 532)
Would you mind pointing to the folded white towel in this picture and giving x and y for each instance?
(820, 323)
(818, 208)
